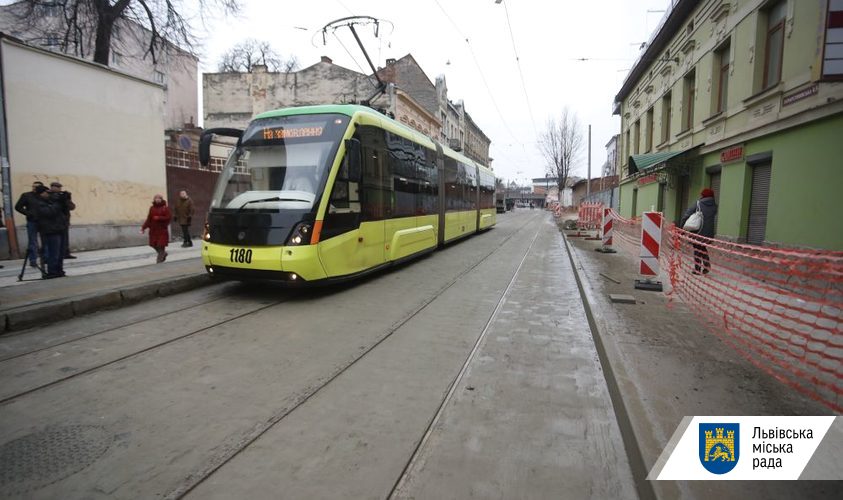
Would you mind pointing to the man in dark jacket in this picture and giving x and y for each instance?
(25, 204)
(708, 208)
(65, 201)
(51, 225)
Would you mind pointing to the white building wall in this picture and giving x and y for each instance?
(174, 68)
(98, 131)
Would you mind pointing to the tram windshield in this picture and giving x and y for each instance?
(282, 163)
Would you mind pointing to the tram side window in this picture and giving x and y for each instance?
(402, 166)
(376, 196)
(487, 191)
(453, 189)
(429, 182)
(344, 206)
(470, 187)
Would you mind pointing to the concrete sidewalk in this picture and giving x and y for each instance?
(662, 363)
(98, 279)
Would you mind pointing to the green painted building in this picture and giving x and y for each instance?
(745, 98)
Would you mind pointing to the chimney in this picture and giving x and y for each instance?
(390, 61)
(259, 68)
(326, 59)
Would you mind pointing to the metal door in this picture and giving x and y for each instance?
(758, 201)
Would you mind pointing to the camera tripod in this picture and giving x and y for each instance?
(38, 263)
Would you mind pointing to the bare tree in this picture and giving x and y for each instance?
(91, 23)
(249, 53)
(561, 144)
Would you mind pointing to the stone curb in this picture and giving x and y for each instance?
(616, 378)
(24, 317)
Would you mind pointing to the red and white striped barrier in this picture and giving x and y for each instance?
(607, 227)
(650, 249)
(651, 238)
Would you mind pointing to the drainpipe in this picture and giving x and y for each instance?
(8, 206)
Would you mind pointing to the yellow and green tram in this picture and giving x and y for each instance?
(328, 193)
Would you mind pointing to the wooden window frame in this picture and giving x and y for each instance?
(767, 83)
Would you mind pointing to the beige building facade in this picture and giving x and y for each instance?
(100, 133)
(232, 99)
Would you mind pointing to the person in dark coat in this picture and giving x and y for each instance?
(65, 201)
(25, 205)
(184, 216)
(51, 223)
(708, 207)
(158, 223)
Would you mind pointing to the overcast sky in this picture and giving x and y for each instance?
(549, 36)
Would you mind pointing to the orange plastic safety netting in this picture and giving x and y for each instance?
(781, 309)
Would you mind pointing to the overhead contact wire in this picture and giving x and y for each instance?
(480, 71)
(520, 71)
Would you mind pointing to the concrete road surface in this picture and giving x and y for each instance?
(470, 372)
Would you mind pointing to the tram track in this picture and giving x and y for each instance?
(109, 329)
(8, 399)
(455, 382)
(232, 451)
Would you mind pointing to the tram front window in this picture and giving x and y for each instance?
(282, 163)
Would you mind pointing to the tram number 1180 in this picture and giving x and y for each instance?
(241, 255)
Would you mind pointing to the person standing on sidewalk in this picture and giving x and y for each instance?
(708, 207)
(51, 225)
(158, 223)
(25, 205)
(65, 201)
(184, 215)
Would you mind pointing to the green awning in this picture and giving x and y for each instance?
(639, 163)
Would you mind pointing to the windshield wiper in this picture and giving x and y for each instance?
(274, 198)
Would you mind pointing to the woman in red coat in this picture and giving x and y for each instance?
(158, 223)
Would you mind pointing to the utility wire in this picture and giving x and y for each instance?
(520, 72)
(344, 7)
(353, 58)
(479, 70)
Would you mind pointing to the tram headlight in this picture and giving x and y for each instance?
(301, 234)
(206, 233)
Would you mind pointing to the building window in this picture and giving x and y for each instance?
(688, 86)
(158, 77)
(667, 115)
(628, 142)
(636, 139)
(115, 58)
(648, 137)
(833, 53)
(774, 44)
(721, 61)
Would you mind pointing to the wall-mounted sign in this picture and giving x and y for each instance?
(800, 94)
(648, 179)
(734, 153)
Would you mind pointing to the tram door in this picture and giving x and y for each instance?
(375, 197)
(358, 245)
